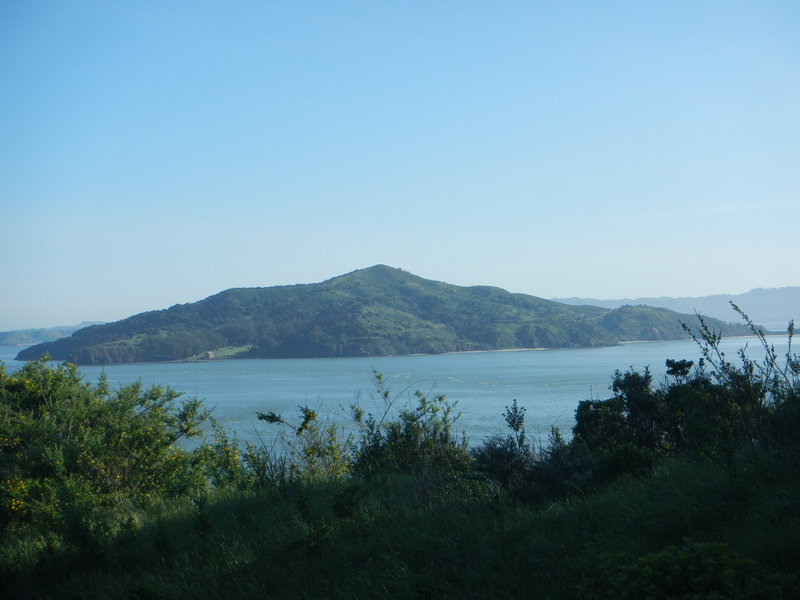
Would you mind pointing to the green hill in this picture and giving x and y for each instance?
(375, 311)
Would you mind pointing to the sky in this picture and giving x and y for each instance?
(157, 152)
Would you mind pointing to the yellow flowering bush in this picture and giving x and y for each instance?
(67, 443)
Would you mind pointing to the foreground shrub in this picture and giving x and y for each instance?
(506, 459)
(70, 450)
(690, 571)
(718, 410)
(312, 450)
(419, 440)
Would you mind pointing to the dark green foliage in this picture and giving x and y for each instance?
(375, 311)
(506, 459)
(419, 440)
(711, 413)
(645, 323)
(343, 539)
(691, 571)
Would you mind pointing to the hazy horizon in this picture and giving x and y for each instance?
(158, 153)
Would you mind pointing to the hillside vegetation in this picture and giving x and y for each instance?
(683, 490)
(371, 312)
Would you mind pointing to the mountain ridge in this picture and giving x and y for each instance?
(38, 335)
(771, 307)
(375, 311)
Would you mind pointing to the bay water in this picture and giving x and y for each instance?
(548, 383)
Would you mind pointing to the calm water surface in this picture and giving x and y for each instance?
(549, 383)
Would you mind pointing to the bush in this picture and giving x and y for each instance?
(314, 451)
(691, 571)
(717, 411)
(506, 459)
(72, 448)
(420, 440)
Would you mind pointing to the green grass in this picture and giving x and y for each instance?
(225, 352)
(405, 538)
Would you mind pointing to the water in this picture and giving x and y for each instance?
(549, 383)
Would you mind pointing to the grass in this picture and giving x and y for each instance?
(394, 539)
(231, 351)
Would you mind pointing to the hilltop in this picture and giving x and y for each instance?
(375, 311)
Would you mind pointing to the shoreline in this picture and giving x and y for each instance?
(535, 349)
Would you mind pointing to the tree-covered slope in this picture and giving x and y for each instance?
(374, 311)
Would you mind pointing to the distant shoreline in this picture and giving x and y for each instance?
(537, 349)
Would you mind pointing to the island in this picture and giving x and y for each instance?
(376, 311)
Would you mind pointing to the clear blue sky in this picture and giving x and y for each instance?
(154, 153)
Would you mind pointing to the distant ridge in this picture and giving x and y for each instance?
(369, 312)
(26, 337)
(771, 307)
